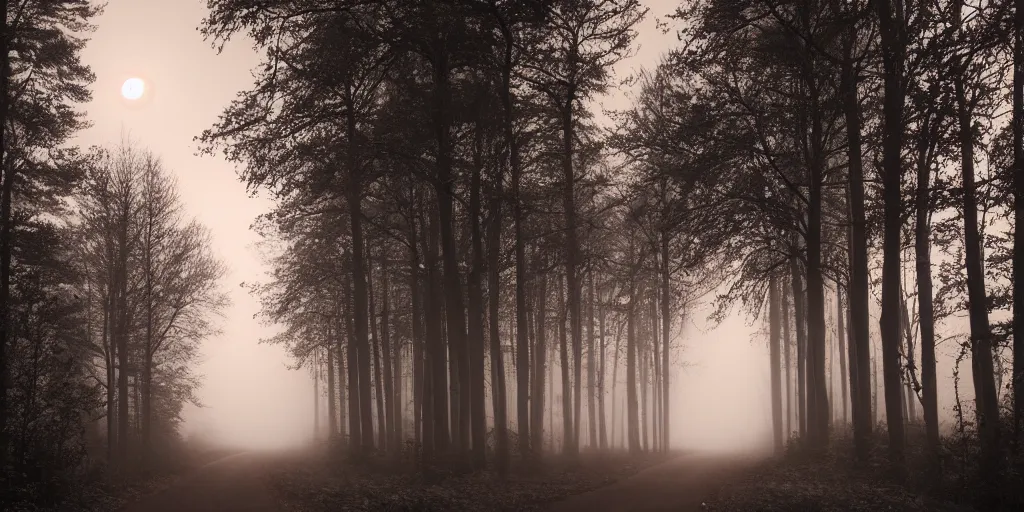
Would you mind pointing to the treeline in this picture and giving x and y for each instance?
(106, 288)
(870, 151)
(446, 204)
(453, 244)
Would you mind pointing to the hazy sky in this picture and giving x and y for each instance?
(249, 394)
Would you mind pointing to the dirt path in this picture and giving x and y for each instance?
(230, 484)
(678, 485)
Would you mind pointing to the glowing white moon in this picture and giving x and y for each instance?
(133, 88)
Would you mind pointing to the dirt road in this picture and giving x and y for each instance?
(230, 484)
(679, 485)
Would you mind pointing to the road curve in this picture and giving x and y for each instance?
(234, 483)
(678, 485)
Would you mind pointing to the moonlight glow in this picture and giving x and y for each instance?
(133, 88)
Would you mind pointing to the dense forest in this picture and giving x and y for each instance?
(486, 270)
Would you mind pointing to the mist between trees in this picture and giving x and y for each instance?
(480, 273)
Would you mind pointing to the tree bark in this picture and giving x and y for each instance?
(841, 339)
(893, 54)
(774, 356)
(498, 396)
(785, 352)
(632, 419)
(1018, 215)
(986, 401)
(860, 361)
(540, 360)
(571, 277)
(591, 412)
(437, 376)
(801, 344)
(602, 427)
(475, 339)
(563, 351)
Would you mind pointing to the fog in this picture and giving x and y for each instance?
(250, 397)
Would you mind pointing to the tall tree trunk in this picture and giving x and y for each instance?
(332, 411)
(121, 332)
(355, 410)
(986, 400)
(1018, 215)
(437, 356)
(475, 339)
(925, 309)
(455, 310)
(540, 362)
(498, 396)
(6, 232)
(774, 356)
(642, 359)
(417, 335)
(563, 351)
(666, 327)
(378, 379)
(841, 339)
(359, 298)
(615, 383)
(801, 346)
(601, 426)
(571, 277)
(785, 352)
(632, 419)
(591, 410)
(818, 402)
(393, 412)
(342, 402)
(893, 51)
(316, 396)
(860, 361)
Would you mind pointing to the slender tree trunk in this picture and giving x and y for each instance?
(785, 352)
(355, 410)
(986, 400)
(926, 315)
(342, 402)
(392, 410)
(774, 356)
(437, 376)
(417, 335)
(591, 410)
(563, 351)
(801, 345)
(632, 419)
(378, 378)
(540, 362)
(841, 340)
(316, 396)
(601, 426)
(892, 41)
(1018, 215)
(6, 232)
(571, 277)
(498, 397)
(475, 340)
(616, 412)
(666, 327)
(359, 297)
(332, 412)
(860, 362)
(643, 361)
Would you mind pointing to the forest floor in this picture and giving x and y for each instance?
(326, 487)
(836, 482)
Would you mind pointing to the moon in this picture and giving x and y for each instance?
(133, 88)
